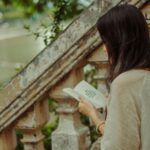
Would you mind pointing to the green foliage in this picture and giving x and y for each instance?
(47, 131)
(19, 137)
(19, 68)
(68, 8)
(28, 6)
(52, 105)
(89, 74)
(61, 10)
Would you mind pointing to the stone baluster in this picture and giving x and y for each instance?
(70, 134)
(31, 123)
(8, 139)
(100, 61)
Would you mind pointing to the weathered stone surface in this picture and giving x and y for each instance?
(49, 79)
(31, 124)
(20, 90)
(70, 133)
(8, 139)
(35, 117)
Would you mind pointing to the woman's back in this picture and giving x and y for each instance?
(124, 32)
(128, 124)
(145, 113)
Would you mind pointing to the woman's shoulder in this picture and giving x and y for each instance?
(130, 77)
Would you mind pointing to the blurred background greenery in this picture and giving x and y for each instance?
(27, 26)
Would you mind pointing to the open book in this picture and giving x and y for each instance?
(87, 91)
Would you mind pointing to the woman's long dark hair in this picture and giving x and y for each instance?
(125, 33)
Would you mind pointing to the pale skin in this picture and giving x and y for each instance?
(89, 110)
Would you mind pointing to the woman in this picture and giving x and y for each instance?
(127, 126)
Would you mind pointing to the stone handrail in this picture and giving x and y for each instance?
(23, 102)
(46, 69)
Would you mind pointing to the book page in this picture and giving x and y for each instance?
(72, 93)
(91, 94)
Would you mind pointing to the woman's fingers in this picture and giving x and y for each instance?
(85, 107)
(80, 105)
(84, 101)
(81, 99)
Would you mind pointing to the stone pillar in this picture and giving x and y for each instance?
(70, 134)
(100, 61)
(31, 123)
(8, 139)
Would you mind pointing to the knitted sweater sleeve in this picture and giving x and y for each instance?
(122, 128)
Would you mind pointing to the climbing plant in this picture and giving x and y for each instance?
(61, 10)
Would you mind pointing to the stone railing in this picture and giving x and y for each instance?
(24, 101)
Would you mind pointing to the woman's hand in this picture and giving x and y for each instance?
(88, 109)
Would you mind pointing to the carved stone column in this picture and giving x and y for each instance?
(100, 61)
(30, 125)
(70, 134)
(8, 139)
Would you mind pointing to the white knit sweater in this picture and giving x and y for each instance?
(128, 120)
